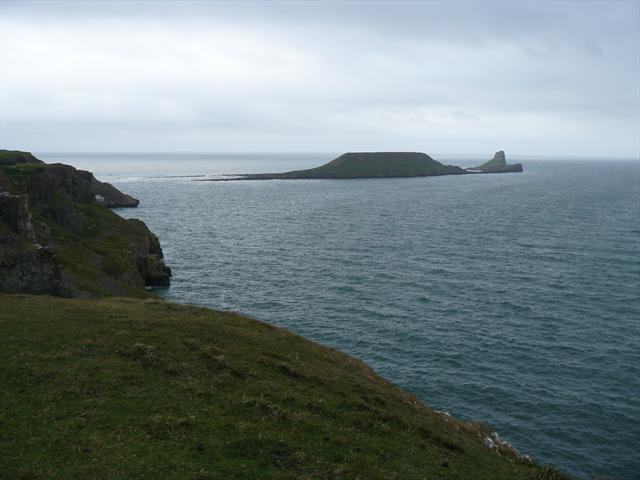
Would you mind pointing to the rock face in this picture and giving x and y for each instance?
(15, 213)
(58, 237)
(149, 257)
(27, 262)
(31, 269)
(498, 164)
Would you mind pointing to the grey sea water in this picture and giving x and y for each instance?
(513, 299)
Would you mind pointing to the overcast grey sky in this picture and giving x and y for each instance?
(538, 78)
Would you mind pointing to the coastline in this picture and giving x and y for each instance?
(470, 447)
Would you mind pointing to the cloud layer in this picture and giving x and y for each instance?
(531, 78)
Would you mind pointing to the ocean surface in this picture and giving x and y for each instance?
(513, 299)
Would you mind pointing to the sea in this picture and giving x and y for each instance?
(511, 299)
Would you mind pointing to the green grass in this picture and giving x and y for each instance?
(124, 388)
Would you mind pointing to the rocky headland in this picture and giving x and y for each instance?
(58, 236)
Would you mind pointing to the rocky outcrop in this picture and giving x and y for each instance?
(27, 261)
(153, 270)
(149, 257)
(15, 213)
(31, 269)
(498, 164)
(88, 250)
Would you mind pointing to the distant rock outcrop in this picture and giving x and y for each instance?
(57, 237)
(498, 164)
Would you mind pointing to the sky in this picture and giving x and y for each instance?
(531, 78)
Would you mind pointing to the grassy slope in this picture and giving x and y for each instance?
(126, 388)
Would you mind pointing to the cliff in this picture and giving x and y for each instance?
(57, 235)
(498, 164)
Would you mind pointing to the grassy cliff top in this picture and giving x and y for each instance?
(126, 388)
(11, 157)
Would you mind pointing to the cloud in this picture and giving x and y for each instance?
(301, 76)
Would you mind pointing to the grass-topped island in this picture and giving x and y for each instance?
(112, 382)
(380, 165)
